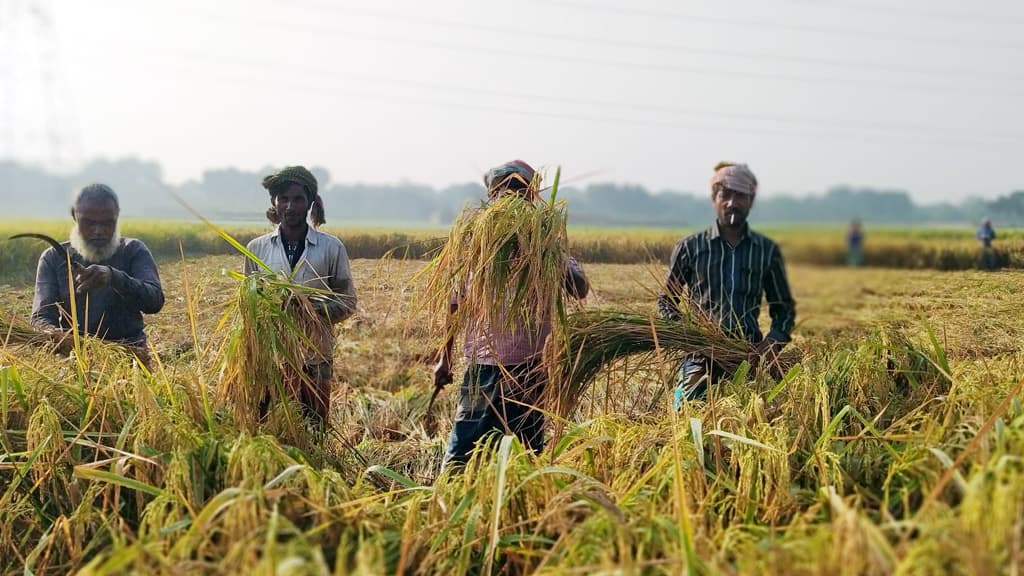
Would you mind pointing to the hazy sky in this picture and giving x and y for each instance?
(923, 95)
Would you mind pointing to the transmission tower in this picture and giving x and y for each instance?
(37, 122)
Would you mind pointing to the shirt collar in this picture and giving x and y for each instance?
(715, 232)
(312, 235)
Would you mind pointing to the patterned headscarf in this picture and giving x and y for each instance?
(276, 182)
(516, 175)
(736, 177)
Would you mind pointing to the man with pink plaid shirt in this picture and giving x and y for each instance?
(505, 379)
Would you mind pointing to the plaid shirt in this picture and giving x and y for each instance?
(726, 282)
(508, 347)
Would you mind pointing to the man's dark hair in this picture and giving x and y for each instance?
(95, 193)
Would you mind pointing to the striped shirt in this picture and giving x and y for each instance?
(726, 283)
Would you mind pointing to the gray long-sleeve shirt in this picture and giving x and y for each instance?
(113, 312)
(727, 283)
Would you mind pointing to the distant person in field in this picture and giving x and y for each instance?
(312, 258)
(986, 234)
(115, 279)
(855, 244)
(722, 273)
(505, 378)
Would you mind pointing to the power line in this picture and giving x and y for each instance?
(627, 64)
(409, 96)
(820, 30)
(893, 7)
(944, 72)
(860, 125)
(855, 125)
(329, 30)
(719, 120)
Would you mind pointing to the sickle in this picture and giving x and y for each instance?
(433, 398)
(429, 419)
(56, 246)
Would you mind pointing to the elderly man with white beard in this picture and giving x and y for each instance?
(115, 279)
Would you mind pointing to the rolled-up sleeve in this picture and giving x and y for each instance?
(343, 304)
(668, 307)
(781, 306)
(576, 283)
(257, 248)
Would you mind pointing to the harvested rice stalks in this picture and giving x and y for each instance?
(14, 330)
(595, 338)
(270, 330)
(505, 263)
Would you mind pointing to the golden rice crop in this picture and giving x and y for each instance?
(596, 338)
(504, 262)
(14, 330)
(267, 338)
(896, 450)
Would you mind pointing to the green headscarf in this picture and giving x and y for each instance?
(276, 183)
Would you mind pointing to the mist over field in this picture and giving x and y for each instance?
(235, 195)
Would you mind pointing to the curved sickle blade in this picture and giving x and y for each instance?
(49, 240)
(429, 419)
(433, 398)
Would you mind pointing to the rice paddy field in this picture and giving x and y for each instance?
(895, 445)
(948, 248)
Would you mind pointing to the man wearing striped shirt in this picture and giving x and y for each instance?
(722, 273)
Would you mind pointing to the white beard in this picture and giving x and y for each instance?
(90, 253)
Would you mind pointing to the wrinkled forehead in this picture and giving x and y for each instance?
(96, 209)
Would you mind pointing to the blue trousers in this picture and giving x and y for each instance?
(496, 400)
(692, 379)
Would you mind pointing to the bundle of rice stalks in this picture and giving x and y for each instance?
(14, 330)
(504, 261)
(272, 328)
(595, 338)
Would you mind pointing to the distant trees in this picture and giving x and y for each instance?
(1009, 207)
(630, 205)
(233, 194)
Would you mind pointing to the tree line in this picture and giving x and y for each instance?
(229, 194)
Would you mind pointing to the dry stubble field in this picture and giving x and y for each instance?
(387, 344)
(841, 469)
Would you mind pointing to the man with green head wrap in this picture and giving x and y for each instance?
(312, 258)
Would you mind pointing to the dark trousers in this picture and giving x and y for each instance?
(493, 399)
(314, 396)
(988, 259)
